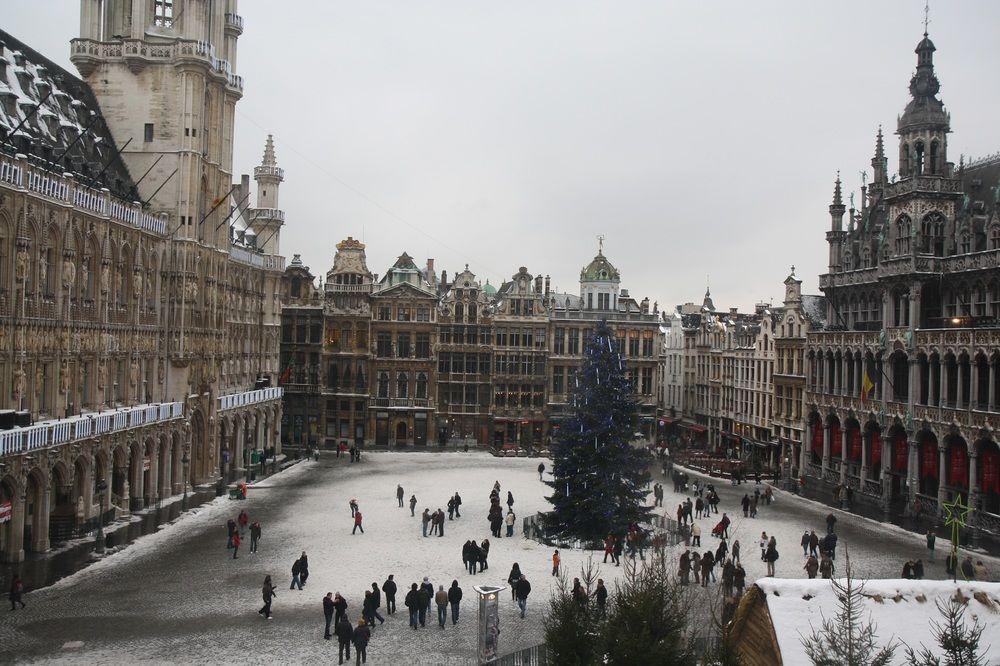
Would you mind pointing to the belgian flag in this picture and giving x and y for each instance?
(868, 380)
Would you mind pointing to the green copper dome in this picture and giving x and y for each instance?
(599, 269)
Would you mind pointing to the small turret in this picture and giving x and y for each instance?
(837, 208)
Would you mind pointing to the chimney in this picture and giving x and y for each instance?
(547, 281)
(244, 190)
(538, 284)
(444, 277)
(733, 311)
(430, 267)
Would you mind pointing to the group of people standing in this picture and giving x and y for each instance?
(236, 531)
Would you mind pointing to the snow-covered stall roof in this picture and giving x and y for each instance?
(902, 610)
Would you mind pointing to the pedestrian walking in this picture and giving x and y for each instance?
(254, 536)
(541, 469)
(918, 569)
(753, 507)
(804, 542)
(831, 520)
(931, 538)
(684, 569)
(555, 563)
(362, 634)
(328, 609)
(454, 599)
(617, 554)
(426, 593)
(340, 608)
(303, 569)
(243, 520)
(484, 553)
(736, 551)
(825, 566)
(389, 589)
(601, 596)
(412, 603)
(695, 534)
(811, 567)
(368, 609)
(16, 592)
(813, 544)
(296, 573)
(236, 543)
(399, 495)
(353, 503)
(515, 574)
(413, 504)
(968, 570)
(376, 604)
(510, 500)
(451, 508)
(739, 580)
(458, 505)
(696, 567)
(510, 520)
(441, 599)
(771, 555)
(609, 548)
(425, 520)
(268, 593)
(230, 531)
(345, 632)
(357, 523)
(523, 590)
(745, 502)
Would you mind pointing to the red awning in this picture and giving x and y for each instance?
(694, 427)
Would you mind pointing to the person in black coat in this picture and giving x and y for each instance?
(426, 593)
(454, 598)
(510, 500)
(345, 632)
(484, 553)
(304, 568)
(458, 505)
(601, 595)
(328, 613)
(389, 587)
(831, 520)
(413, 604)
(515, 575)
(376, 604)
(362, 634)
(340, 608)
(523, 590)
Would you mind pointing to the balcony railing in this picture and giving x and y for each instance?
(400, 402)
(234, 22)
(234, 400)
(18, 172)
(271, 262)
(267, 214)
(53, 433)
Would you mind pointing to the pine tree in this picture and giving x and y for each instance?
(598, 476)
(958, 642)
(849, 638)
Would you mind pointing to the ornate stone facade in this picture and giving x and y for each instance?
(136, 332)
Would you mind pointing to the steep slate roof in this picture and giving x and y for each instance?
(26, 77)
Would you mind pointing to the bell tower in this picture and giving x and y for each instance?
(163, 74)
(924, 125)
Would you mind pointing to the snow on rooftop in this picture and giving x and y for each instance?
(902, 610)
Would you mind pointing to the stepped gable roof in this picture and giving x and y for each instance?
(26, 78)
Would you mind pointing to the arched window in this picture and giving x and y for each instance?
(383, 384)
(932, 165)
(402, 385)
(918, 158)
(904, 160)
(459, 312)
(422, 385)
(472, 313)
(994, 240)
(903, 231)
(332, 376)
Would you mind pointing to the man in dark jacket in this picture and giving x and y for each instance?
(601, 595)
(831, 520)
(454, 598)
(296, 572)
(830, 545)
(345, 632)
(813, 544)
(523, 590)
(426, 594)
(340, 606)
(399, 495)
(376, 604)
(389, 587)
(458, 505)
(413, 604)
(328, 613)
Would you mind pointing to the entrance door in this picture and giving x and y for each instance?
(420, 430)
(382, 430)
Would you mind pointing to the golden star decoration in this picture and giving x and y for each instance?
(956, 512)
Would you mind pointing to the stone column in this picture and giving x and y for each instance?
(152, 491)
(942, 461)
(826, 449)
(973, 478)
(912, 472)
(962, 400)
(913, 394)
(15, 549)
(942, 382)
(135, 497)
(865, 447)
(992, 398)
(843, 454)
(40, 536)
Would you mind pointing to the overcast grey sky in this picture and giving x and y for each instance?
(702, 138)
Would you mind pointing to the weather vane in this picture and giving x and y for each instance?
(600, 244)
(927, 12)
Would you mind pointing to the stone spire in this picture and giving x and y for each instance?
(837, 208)
(269, 158)
(879, 161)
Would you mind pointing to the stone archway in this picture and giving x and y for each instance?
(199, 447)
(36, 522)
(165, 467)
(401, 431)
(11, 549)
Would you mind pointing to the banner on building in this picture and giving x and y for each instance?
(6, 511)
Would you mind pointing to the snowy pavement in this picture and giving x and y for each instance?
(177, 596)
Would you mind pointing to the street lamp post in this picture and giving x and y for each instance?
(184, 500)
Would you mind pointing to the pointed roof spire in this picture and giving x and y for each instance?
(837, 198)
(269, 159)
(879, 145)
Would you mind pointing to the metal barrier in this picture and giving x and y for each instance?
(532, 656)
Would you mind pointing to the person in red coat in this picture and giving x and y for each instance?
(357, 523)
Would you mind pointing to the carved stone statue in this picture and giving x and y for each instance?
(137, 285)
(18, 383)
(133, 373)
(64, 377)
(102, 375)
(68, 273)
(105, 278)
(84, 273)
(39, 378)
(21, 264)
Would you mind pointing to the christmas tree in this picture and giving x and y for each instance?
(598, 476)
